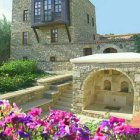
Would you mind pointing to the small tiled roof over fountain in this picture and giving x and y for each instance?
(128, 57)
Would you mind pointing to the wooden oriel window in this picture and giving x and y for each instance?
(25, 38)
(37, 11)
(54, 35)
(48, 10)
(25, 15)
(58, 7)
(37, 8)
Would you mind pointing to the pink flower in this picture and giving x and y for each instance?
(8, 131)
(35, 112)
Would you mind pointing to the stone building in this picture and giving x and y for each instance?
(51, 31)
(55, 31)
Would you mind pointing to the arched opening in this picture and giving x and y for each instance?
(102, 92)
(110, 50)
(107, 85)
(124, 86)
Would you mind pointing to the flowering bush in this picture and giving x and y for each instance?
(58, 125)
(116, 129)
(15, 125)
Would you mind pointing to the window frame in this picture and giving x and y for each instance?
(25, 36)
(57, 7)
(93, 22)
(54, 35)
(87, 51)
(37, 10)
(47, 9)
(88, 18)
(25, 15)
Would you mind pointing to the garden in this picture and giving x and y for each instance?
(19, 74)
(59, 125)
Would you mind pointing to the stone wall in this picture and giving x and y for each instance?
(62, 52)
(81, 33)
(82, 83)
(80, 30)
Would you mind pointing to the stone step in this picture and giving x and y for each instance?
(64, 103)
(50, 93)
(66, 99)
(68, 95)
(62, 86)
(44, 103)
(58, 79)
(59, 107)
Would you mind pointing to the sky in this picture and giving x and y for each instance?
(113, 16)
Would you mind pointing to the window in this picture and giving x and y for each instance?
(37, 8)
(25, 15)
(25, 38)
(54, 35)
(87, 18)
(92, 21)
(124, 87)
(107, 85)
(94, 37)
(25, 58)
(87, 51)
(58, 7)
(47, 10)
(37, 11)
(52, 59)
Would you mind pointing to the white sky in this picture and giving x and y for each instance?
(6, 9)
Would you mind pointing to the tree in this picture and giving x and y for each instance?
(5, 37)
(137, 43)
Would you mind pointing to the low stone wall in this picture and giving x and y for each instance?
(38, 92)
(24, 96)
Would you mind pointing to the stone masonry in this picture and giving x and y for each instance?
(63, 50)
(84, 73)
(82, 36)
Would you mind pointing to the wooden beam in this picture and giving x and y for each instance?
(68, 32)
(36, 34)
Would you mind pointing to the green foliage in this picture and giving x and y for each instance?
(14, 83)
(18, 74)
(18, 67)
(137, 43)
(5, 37)
(92, 126)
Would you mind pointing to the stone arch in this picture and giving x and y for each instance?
(107, 85)
(110, 50)
(124, 86)
(101, 47)
(93, 75)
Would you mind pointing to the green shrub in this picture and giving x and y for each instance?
(18, 67)
(17, 82)
(92, 126)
